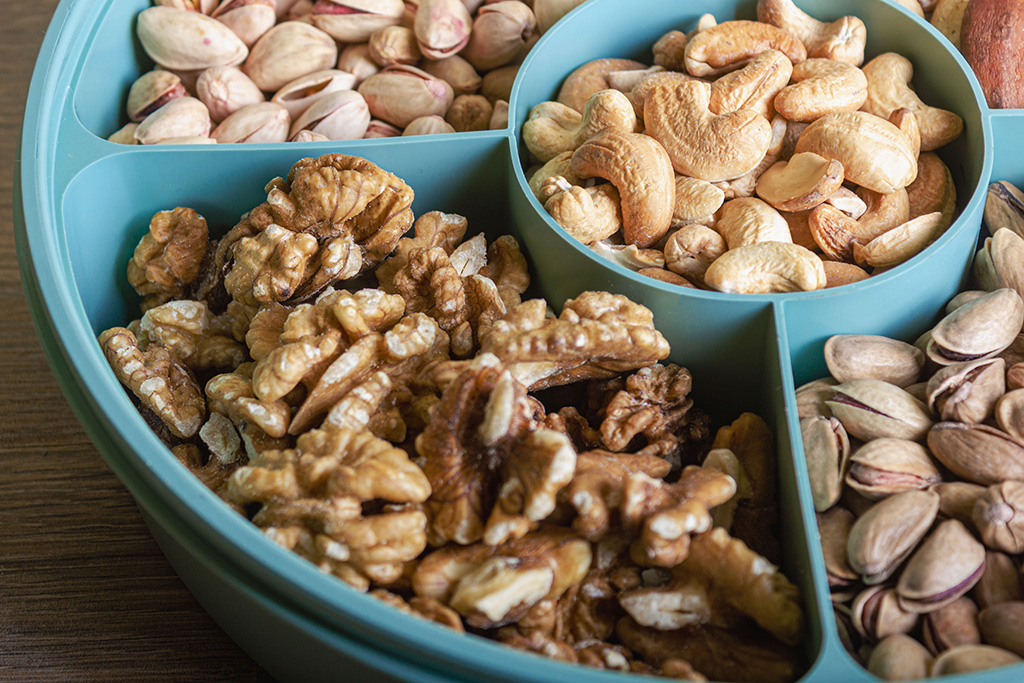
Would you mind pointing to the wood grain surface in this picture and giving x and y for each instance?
(85, 594)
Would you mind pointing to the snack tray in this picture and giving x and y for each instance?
(82, 203)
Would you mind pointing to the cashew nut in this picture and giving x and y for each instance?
(821, 86)
(669, 50)
(748, 220)
(638, 95)
(731, 44)
(625, 81)
(641, 170)
(835, 232)
(699, 143)
(888, 88)
(691, 249)
(847, 201)
(629, 255)
(901, 243)
(766, 267)
(842, 40)
(754, 86)
(696, 201)
(933, 189)
(874, 153)
(666, 276)
(553, 128)
(744, 185)
(801, 183)
(587, 213)
(560, 166)
(589, 78)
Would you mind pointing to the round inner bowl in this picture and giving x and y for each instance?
(698, 322)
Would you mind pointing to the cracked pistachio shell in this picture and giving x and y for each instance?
(967, 392)
(971, 659)
(399, 94)
(1003, 626)
(999, 517)
(262, 122)
(827, 451)
(1000, 582)
(878, 614)
(289, 50)
(1000, 262)
(179, 39)
(1004, 208)
(899, 658)
(811, 398)
(301, 93)
(978, 329)
(871, 409)
(976, 452)
(226, 89)
(354, 21)
(152, 90)
(885, 466)
(341, 115)
(947, 564)
(1009, 410)
(182, 116)
(834, 529)
(951, 626)
(867, 356)
(888, 531)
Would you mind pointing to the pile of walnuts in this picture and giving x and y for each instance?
(463, 454)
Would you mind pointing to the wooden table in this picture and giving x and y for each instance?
(85, 594)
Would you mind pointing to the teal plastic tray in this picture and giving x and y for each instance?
(82, 203)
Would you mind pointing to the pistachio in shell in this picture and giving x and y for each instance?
(1004, 207)
(967, 392)
(1003, 626)
(826, 450)
(950, 626)
(877, 613)
(978, 329)
(811, 397)
(179, 39)
(885, 466)
(947, 564)
(977, 452)
(1000, 262)
(999, 517)
(868, 356)
(899, 658)
(1009, 413)
(1000, 582)
(957, 498)
(888, 532)
(871, 408)
(971, 659)
(834, 529)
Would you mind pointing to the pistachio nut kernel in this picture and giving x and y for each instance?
(976, 452)
(886, 466)
(827, 451)
(1004, 208)
(888, 531)
(944, 567)
(999, 517)
(152, 90)
(967, 392)
(978, 329)
(871, 409)
(867, 356)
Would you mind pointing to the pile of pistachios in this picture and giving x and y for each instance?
(916, 461)
(299, 70)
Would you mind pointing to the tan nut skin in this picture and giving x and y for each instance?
(888, 88)
(553, 128)
(641, 170)
(731, 44)
(874, 153)
(701, 144)
(801, 183)
(842, 40)
(821, 86)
